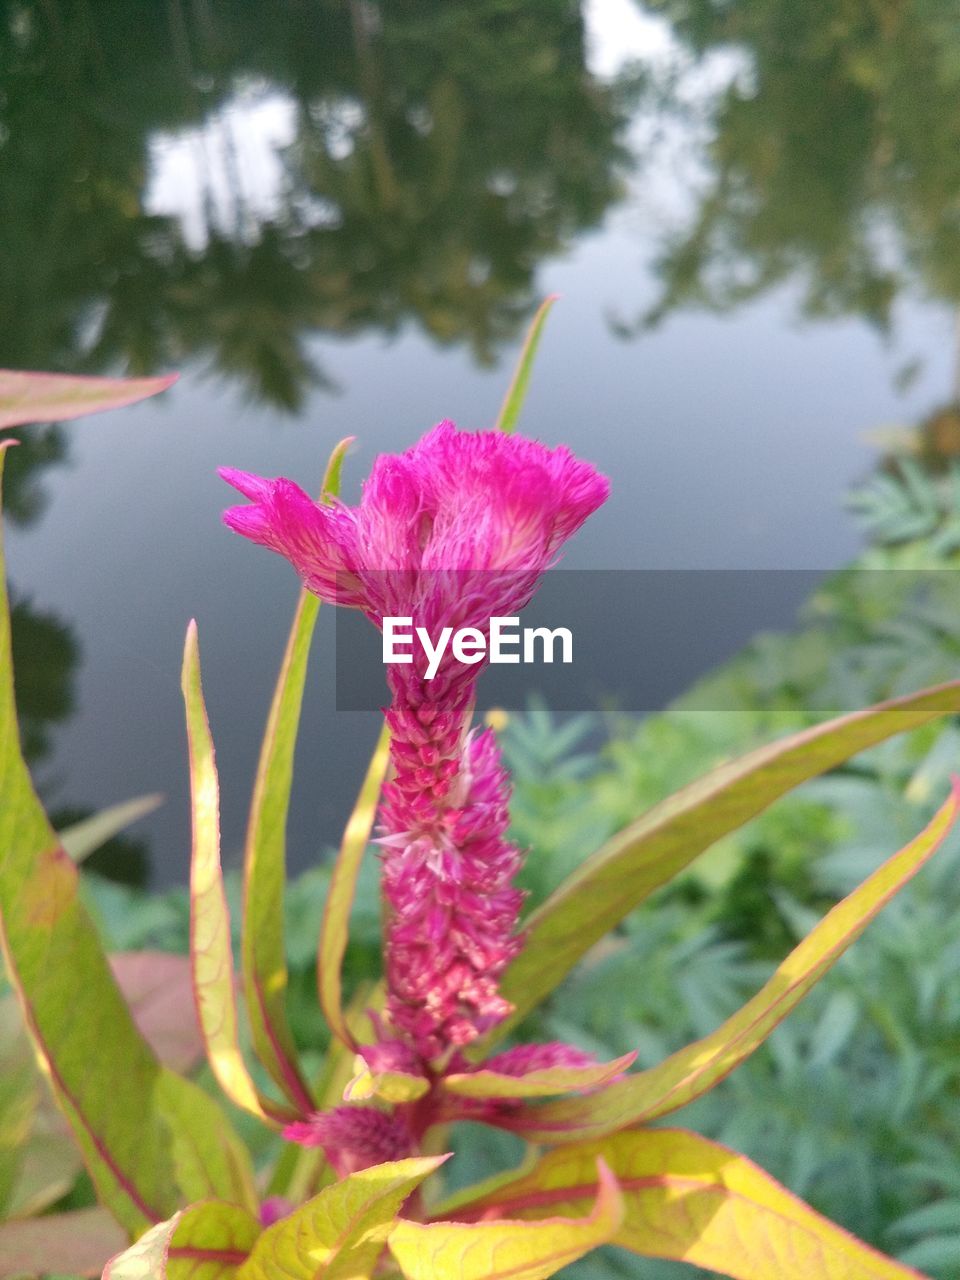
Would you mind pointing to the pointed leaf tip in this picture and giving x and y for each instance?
(211, 955)
(27, 397)
(690, 1199)
(340, 1232)
(517, 391)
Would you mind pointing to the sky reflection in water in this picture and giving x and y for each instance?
(338, 218)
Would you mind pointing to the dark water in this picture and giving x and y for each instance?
(338, 217)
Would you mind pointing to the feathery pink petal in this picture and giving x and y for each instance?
(352, 1138)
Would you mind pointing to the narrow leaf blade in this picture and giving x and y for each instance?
(265, 977)
(52, 397)
(517, 391)
(71, 1005)
(343, 884)
(693, 1071)
(211, 954)
(535, 1084)
(655, 848)
(693, 1200)
(502, 1248)
(85, 837)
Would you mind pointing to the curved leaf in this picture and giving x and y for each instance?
(211, 954)
(209, 1160)
(693, 1200)
(693, 1071)
(76, 1244)
(263, 949)
(85, 837)
(125, 1115)
(535, 1084)
(209, 1240)
(517, 391)
(51, 397)
(652, 850)
(502, 1248)
(343, 885)
(340, 1233)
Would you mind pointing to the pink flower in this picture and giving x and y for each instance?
(454, 531)
(457, 502)
(352, 1138)
(273, 1209)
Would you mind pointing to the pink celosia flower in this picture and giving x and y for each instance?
(456, 501)
(353, 1138)
(454, 531)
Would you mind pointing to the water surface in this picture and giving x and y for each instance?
(337, 218)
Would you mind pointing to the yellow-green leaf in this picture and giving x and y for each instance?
(694, 1070)
(207, 1241)
(343, 884)
(535, 1084)
(211, 952)
(147, 1258)
(264, 959)
(690, 1199)
(517, 391)
(341, 1232)
(391, 1086)
(209, 1160)
(520, 1250)
(51, 397)
(652, 850)
(126, 1114)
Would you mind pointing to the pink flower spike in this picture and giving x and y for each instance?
(352, 1138)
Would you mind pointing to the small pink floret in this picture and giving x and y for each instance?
(352, 1138)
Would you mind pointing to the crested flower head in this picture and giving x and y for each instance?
(457, 502)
